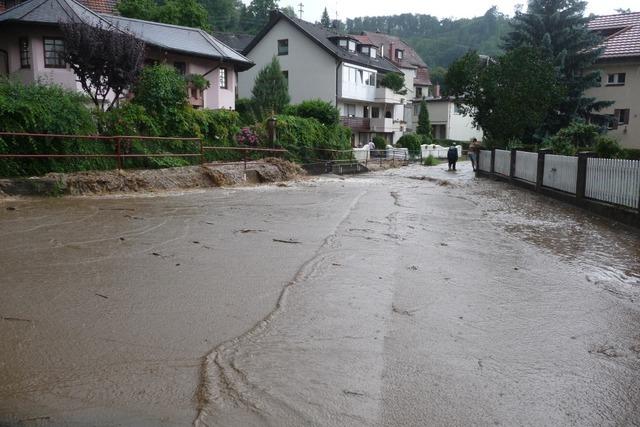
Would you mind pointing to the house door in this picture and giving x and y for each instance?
(4, 63)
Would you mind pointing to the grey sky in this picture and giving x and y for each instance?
(442, 9)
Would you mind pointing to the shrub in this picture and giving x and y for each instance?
(395, 82)
(301, 135)
(379, 142)
(631, 153)
(608, 147)
(246, 109)
(39, 108)
(430, 161)
(247, 137)
(163, 93)
(559, 146)
(318, 109)
(412, 142)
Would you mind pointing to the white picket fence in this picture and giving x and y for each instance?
(614, 181)
(560, 172)
(397, 153)
(526, 166)
(485, 160)
(503, 162)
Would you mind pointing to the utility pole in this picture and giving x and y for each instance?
(300, 9)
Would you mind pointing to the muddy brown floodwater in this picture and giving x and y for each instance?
(411, 296)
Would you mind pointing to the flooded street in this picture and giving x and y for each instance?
(410, 296)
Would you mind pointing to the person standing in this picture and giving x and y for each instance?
(452, 157)
(474, 153)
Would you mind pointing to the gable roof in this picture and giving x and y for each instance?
(411, 59)
(236, 41)
(323, 37)
(191, 41)
(176, 38)
(622, 34)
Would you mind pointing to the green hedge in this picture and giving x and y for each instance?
(300, 136)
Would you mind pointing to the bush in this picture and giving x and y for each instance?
(412, 142)
(631, 153)
(39, 108)
(379, 142)
(246, 109)
(608, 147)
(430, 161)
(320, 110)
(301, 135)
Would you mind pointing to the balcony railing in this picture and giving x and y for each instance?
(357, 123)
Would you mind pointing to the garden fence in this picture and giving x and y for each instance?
(503, 162)
(526, 165)
(614, 181)
(560, 172)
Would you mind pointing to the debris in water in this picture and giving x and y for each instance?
(133, 217)
(102, 296)
(352, 393)
(281, 184)
(516, 268)
(122, 239)
(336, 264)
(11, 208)
(15, 319)
(403, 312)
(196, 242)
(291, 241)
(606, 350)
(248, 230)
(413, 268)
(443, 244)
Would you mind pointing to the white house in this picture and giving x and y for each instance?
(320, 63)
(447, 121)
(31, 46)
(619, 65)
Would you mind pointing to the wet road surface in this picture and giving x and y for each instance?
(406, 297)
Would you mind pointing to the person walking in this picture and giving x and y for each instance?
(452, 157)
(474, 153)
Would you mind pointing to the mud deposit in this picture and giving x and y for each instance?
(146, 180)
(410, 296)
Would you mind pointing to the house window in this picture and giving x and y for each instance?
(25, 54)
(418, 92)
(365, 50)
(180, 67)
(223, 78)
(54, 53)
(622, 116)
(343, 43)
(283, 47)
(373, 52)
(416, 109)
(375, 112)
(616, 79)
(399, 54)
(352, 46)
(350, 110)
(285, 74)
(365, 112)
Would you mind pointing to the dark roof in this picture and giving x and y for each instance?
(187, 40)
(410, 59)
(52, 12)
(622, 34)
(323, 37)
(191, 41)
(236, 41)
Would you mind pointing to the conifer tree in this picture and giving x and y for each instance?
(424, 124)
(325, 20)
(558, 29)
(270, 92)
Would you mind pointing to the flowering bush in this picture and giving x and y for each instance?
(246, 136)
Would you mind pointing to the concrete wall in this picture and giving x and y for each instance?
(627, 96)
(312, 70)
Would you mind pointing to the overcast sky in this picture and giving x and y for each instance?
(441, 9)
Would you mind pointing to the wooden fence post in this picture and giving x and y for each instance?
(581, 181)
(540, 172)
(493, 161)
(512, 165)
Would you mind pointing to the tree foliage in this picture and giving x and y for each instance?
(424, 124)
(258, 12)
(270, 92)
(395, 82)
(318, 109)
(325, 21)
(509, 98)
(188, 13)
(106, 61)
(558, 30)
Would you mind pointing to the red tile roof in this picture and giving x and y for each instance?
(622, 34)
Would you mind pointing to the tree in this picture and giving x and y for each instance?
(325, 20)
(270, 93)
(395, 82)
(558, 30)
(424, 125)
(504, 101)
(224, 15)
(107, 61)
(288, 10)
(259, 10)
(188, 13)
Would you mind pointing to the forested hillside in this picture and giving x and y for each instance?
(440, 42)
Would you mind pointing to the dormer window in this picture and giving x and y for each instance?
(365, 50)
(342, 43)
(352, 46)
(399, 53)
(373, 52)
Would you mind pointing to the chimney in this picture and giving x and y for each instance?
(436, 90)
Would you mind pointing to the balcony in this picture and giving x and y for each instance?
(387, 96)
(386, 125)
(356, 123)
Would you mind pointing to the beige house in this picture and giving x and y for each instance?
(31, 47)
(619, 65)
(320, 63)
(448, 122)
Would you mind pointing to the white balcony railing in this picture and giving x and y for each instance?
(387, 96)
(385, 125)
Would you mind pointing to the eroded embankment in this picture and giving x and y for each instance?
(149, 180)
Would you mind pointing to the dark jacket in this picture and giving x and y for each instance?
(452, 154)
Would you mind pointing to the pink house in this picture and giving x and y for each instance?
(31, 46)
